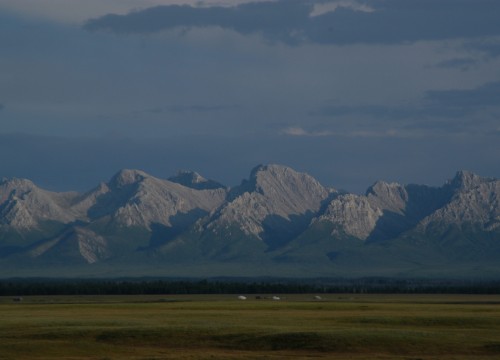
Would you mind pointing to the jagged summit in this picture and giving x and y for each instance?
(466, 180)
(388, 196)
(273, 179)
(23, 205)
(274, 204)
(17, 184)
(194, 180)
(286, 188)
(352, 214)
(135, 198)
(474, 200)
(127, 177)
(381, 188)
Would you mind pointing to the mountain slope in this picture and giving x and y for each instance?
(406, 229)
(274, 205)
(75, 245)
(132, 210)
(277, 222)
(134, 198)
(386, 210)
(23, 205)
(475, 200)
(467, 228)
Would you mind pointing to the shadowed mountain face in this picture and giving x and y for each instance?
(274, 205)
(278, 222)
(194, 180)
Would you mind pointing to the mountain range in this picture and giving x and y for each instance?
(277, 223)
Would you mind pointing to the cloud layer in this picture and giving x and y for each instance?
(294, 22)
(395, 89)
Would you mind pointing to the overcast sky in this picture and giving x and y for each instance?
(350, 91)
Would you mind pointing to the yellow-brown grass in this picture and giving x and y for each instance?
(222, 327)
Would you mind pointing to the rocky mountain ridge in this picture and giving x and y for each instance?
(273, 192)
(276, 222)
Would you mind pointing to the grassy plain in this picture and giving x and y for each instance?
(357, 327)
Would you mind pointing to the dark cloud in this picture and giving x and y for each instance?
(199, 108)
(386, 114)
(489, 47)
(437, 103)
(179, 109)
(289, 21)
(469, 99)
(443, 112)
(403, 121)
(378, 111)
(276, 20)
(463, 64)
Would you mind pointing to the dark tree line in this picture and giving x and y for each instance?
(24, 287)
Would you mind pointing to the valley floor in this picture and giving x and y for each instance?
(223, 327)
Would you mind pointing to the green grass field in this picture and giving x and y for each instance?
(221, 327)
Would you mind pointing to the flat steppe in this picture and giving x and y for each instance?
(337, 326)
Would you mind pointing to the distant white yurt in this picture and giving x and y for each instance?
(241, 297)
(276, 298)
